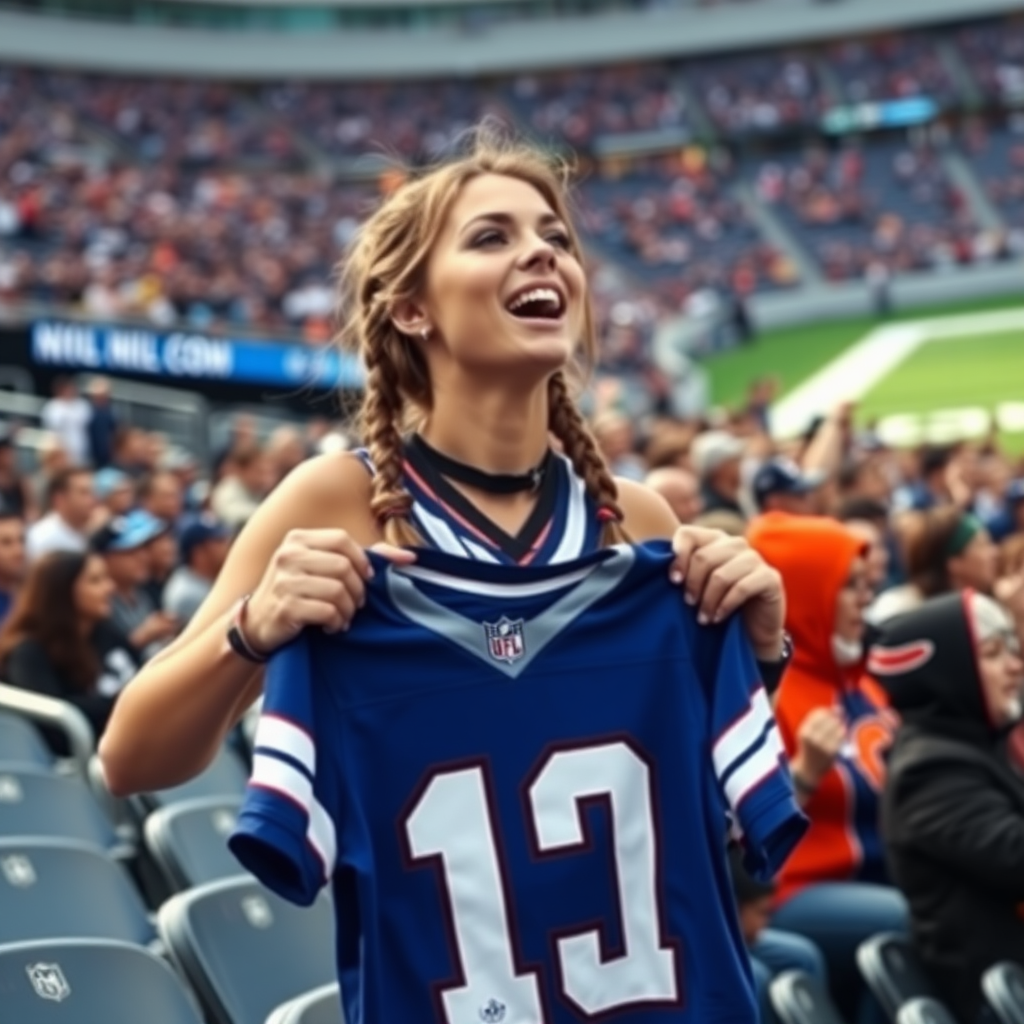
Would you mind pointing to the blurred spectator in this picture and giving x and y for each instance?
(15, 494)
(245, 484)
(1010, 520)
(614, 434)
(131, 451)
(52, 460)
(115, 491)
(102, 423)
(780, 486)
(933, 486)
(162, 559)
(836, 727)
(680, 488)
(71, 503)
(285, 450)
(867, 530)
(716, 456)
(123, 544)
(58, 639)
(160, 494)
(67, 415)
(13, 560)
(772, 952)
(953, 810)
(204, 548)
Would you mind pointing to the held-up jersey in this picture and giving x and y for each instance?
(519, 783)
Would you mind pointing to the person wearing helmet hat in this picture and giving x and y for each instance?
(953, 805)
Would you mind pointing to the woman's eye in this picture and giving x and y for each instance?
(489, 237)
(561, 239)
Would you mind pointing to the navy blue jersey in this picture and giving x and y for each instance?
(519, 783)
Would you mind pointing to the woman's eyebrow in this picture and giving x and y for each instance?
(499, 217)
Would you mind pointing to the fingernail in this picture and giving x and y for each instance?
(675, 576)
(702, 618)
(369, 572)
(690, 599)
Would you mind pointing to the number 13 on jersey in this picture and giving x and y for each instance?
(452, 825)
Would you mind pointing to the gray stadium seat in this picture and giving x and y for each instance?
(89, 981)
(321, 1006)
(34, 802)
(889, 965)
(244, 950)
(798, 999)
(924, 1011)
(1003, 986)
(59, 888)
(188, 842)
(21, 744)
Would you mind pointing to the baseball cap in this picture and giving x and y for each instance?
(108, 480)
(781, 476)
(710, 449)
(126, 533)
(199, 531)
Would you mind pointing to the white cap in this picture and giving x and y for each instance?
(709, 450)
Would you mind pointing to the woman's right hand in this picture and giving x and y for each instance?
(315, 578)
(819, 739)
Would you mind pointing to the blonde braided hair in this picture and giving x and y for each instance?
(386, 266)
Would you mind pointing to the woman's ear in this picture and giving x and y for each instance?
(411, 319)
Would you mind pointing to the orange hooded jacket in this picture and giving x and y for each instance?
(814, 556)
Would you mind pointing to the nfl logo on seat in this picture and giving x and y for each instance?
(49, 982)
(505, 639)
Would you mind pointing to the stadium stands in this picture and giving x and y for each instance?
(21, 745)
(891, 969)
(797, 999)
(1003, 985)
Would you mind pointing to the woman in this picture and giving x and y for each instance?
(429, 286)
(58, 640)
(836, 727)
(953, 808)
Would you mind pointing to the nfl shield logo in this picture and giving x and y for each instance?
(505, 639)
(49, 982)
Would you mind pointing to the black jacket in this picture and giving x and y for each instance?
(953, 805)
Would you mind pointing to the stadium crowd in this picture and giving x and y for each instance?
(224, 208)
(109, 546)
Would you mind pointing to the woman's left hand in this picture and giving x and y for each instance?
(721, 574)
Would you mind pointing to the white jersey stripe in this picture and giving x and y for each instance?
(739, 737)
(271, 773)
(574, 531)
(278, 734)
(479, 552)
(438, 531)
(754, 770)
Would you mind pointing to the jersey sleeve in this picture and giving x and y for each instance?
(749, 761)
(284, 834)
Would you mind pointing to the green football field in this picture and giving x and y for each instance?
(948, 383)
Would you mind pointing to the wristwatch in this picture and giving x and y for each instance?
(773, 671)
(237, 639)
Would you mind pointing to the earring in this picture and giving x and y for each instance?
(425, 333)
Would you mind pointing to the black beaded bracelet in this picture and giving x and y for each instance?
(236, 635)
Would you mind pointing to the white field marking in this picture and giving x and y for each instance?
(856, 370)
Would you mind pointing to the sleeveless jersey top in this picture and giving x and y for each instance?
(563, 525)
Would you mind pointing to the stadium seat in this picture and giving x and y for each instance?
(244, 950)
(59, 716)
(798, 999)
(59, 888)
(225, 777)
(1003, 986)
(889, 965)
(21, 744)
(188, 842)
(81, 981)
(924, 1010)
(321, 1006)
(34, 802)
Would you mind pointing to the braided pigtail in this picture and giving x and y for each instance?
(568, 426)
(381, 417)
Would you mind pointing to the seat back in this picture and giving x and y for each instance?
(1003, 986)
(53, 888)
(226, 776)
(188, 841)
(21, 743)
(71, 981)
(34, 802)
(246, 951)
(890, 967)
(924, 1010)
(321, 1006)
(798, 999)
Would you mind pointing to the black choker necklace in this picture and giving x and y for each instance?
(492, 483)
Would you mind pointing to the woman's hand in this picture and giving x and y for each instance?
(721, 574)
(315, 578)
(819, 739)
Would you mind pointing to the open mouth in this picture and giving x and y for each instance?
(537, 303)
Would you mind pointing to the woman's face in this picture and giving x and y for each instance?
(977, 566)
(853, 598)
(503, 290)
(93, 590)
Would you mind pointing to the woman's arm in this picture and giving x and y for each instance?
(171, 719)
